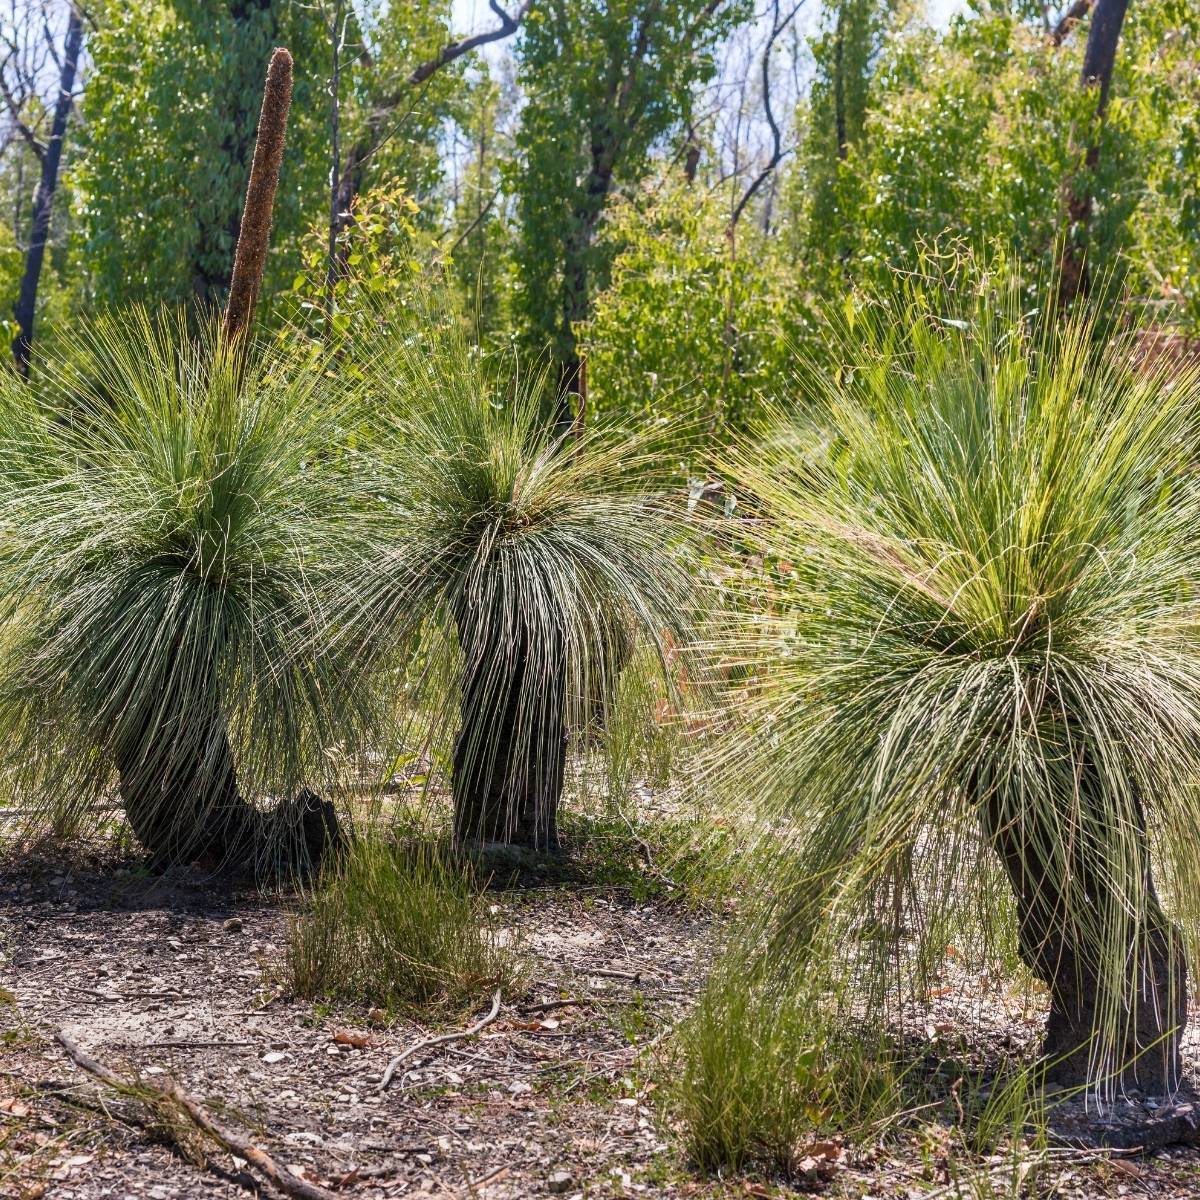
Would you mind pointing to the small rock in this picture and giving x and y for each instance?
(275, 1056)
(233, 925)
(560, 1181)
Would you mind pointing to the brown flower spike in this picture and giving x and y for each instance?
(255, 232)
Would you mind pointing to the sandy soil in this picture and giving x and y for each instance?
(173, 977)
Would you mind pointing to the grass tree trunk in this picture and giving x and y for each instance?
(179, 788)
(510, 752)
(176, 773)
(1136, 1040)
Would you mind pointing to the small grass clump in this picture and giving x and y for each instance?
(401, 927)
(762, 1069)
(778, 1074)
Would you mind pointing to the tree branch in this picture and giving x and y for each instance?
(470, 229)
(1069, 20)
(14, 111)
(777, 150)
(452, 50)
(282, 1176)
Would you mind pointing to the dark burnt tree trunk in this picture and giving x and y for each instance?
(43, 205)
(178, 782)
(1096, 76)
(1056, 932)
(177, 776)
(510, 753)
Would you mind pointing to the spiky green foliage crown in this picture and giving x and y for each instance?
(979, 587)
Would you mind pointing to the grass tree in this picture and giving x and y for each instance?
(169, 503)
(531, 566)
(168, 511)
(981, 653)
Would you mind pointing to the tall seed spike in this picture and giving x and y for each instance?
(255, 233)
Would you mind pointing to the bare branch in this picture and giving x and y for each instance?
(777, 150)
(1069, 20)
(14, 111)
(470, 229)
(452, 50)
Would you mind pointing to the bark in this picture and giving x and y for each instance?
(1056, 949)
(1069, 20)
(178, 784)
(839, 87)
(510, 752)
(1098, 59)
(43, 205)
(576, 293)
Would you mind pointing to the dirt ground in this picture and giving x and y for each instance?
(173, 977)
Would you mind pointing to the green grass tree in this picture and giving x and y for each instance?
(530, 569)
(169, 503)
(168, 509)
(979, 652)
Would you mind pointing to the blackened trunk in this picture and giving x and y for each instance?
(1098, 59)
(179, 787)
(1080, 1047)
(510, 753)
(43, 204)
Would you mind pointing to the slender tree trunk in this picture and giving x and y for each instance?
(1108, 16)
(43, 205)
(333, 265)
(576, 287)
(839, 85)
(510, 753)
(1054, 943)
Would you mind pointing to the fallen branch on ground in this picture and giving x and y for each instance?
(281, 1176)
(441, 1039)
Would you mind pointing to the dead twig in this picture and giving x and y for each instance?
(282, 1177)
(441, 1039)
(571, 1002)
(474, 1185)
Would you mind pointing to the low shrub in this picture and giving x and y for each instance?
(400, 926)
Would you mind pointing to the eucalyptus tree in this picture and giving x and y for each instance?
(1099, 58)
(604, 82)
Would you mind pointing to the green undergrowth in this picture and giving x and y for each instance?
(401, 926)
(661, 858)
(779, 1078)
